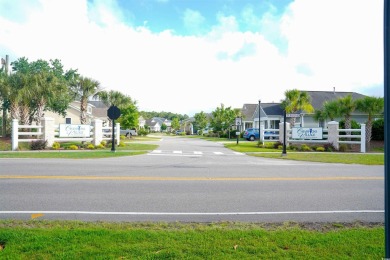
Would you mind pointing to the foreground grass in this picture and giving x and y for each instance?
(127, 150)
(80, 240)
(347, 158)
(326, 157)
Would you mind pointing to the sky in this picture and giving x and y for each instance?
(188, 56)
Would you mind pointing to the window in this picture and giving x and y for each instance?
(68, 120)
(89, 110)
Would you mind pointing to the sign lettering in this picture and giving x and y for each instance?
(307, 133)
(67, 130)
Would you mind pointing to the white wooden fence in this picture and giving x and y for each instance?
(332, 135)
(49, 132)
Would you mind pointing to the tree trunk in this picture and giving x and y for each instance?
(83, 111)
(368, 134)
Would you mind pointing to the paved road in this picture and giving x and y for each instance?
(190, 180)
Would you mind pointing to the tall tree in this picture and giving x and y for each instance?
(346, 106)
(372, 106)
(129, 116)
(85, 88)
(330, 110)
(175, 124)
(295, 101)
(222, 118)
(115, 98)
(201, 120)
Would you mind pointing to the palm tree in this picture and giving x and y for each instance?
(372, 106)
(84, 88)
(346, 106)
(295, 101)
(114, 98)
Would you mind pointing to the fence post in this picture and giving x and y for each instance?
(281, 132)
(48, 130)
(97, 131)
(15, 134)
(118, 132)
(333, 132)
(363, 138)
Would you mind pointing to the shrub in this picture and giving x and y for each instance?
(269, 145)
(183, 133)
(121, 144)
(73, 147)
(103, 143)
(320, 149)
(305, 148)
(56, 146)
(90, 146)
(293, 147)
(142, 132)
(100, 146)
(277, 144)
(378, 129)
(280, 147)
(329, 147)
(122, 137)
(38, 145)
(343, 148)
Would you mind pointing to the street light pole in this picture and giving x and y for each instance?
(284, 153)
(259, 121)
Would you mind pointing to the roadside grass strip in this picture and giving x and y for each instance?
(347, 158)
(226, 240)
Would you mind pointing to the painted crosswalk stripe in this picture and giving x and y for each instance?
(197, 152)
(218, 153)
(178, 152)
(238, 153)
(156, 151)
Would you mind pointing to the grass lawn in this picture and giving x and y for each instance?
(327, 157)
(128, 150)
(82, 240)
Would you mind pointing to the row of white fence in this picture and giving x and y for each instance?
(49, 132)
(332, 135)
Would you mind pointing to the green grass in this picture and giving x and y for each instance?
(325, 157)
(78, 240)
(348, 158)
(128, 150)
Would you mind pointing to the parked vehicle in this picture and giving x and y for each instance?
(128, 132)
(251, 134)
(179, 132)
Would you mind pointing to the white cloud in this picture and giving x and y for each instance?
(193, 21)
(163, 71)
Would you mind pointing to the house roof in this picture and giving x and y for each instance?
(319, 97)
(99, 109)
(151, 122)
(248, 110)
(272, 109)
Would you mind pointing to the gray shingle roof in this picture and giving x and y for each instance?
(319, 97)
(248, 110)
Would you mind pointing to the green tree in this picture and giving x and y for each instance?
(84, 88)
(330, 110)
(222, 118)
(115, 98)
(346, 106)
(372, 106)
(129, 116)
(295, 101)
(164, 127)
(201, 120)
(175, 124)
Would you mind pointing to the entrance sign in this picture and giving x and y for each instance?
(307, 133)
(67, 130)
(293, 115)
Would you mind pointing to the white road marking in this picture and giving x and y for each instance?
(156, 151)
(177, 152)
(218, 153)
(197, 152)
(194, 213)
(238, 153)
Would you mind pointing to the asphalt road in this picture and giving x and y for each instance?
(190, 180)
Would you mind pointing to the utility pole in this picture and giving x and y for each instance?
(5, 65)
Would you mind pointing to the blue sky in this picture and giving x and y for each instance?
(187, 56)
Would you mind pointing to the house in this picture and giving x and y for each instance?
(272, 113)
(164, 121)
(141, 122)
(153, 125)
(95, 110)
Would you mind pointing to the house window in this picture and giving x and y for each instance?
(68, 120)
(321, 123)
(89, 110)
